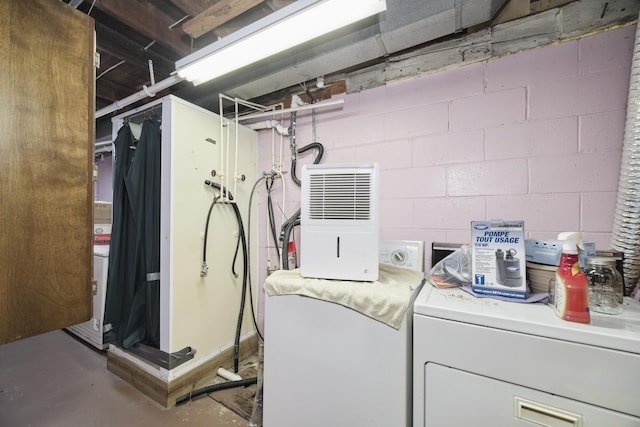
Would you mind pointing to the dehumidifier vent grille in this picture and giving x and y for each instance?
(340, 196)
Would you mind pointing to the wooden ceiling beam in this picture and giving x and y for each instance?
(217, 15)
(148, 20)
(111, 90)
(194, 7)
(121, 47)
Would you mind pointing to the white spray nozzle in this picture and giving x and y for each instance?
(571, 241)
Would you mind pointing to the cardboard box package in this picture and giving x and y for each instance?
(498, 258)
(102, 223)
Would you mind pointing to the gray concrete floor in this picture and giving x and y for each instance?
(54, 380)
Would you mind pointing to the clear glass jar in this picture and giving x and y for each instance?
(605, 286)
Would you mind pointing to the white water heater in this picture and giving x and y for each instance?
(339, 221)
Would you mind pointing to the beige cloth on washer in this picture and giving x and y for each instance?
(386, 300)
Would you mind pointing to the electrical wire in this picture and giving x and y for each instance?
(91, 8)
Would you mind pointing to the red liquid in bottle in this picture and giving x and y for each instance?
(571, 299)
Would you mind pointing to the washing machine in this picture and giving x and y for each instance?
(326, 364)
(92, 330)
(485, 362)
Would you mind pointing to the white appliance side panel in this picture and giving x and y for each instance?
(594, 375)
(92, 330)
(621, 332)
(204, 311)
(166, 250)
(328, 365)
(458, 398)
(100, 273)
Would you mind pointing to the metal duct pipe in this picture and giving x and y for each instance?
(625, 236)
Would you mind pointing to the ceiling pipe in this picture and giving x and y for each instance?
(144, 93)
(321, 104)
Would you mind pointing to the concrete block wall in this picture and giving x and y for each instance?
(535, 136)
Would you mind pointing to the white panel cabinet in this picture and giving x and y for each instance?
(484, 401)
(484, 362)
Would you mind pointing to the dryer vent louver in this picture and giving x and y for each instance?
(339, 221)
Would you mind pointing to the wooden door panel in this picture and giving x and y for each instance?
(46, 162)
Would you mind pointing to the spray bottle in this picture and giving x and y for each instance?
(571, 296)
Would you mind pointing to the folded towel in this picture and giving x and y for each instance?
(385, 300)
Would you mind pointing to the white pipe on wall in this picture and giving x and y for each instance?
(148, 91)
(321, 104)
(270, 124)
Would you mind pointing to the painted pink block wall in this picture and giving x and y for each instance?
(535, 136)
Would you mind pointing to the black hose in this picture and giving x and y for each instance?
(253, 314)
(215, 387)
(206, 230)
(285, 235)
(316, 159)
(271, 215)
(245, 271)
(235, 258)
(317, 146)
(294, 176)
(294, 151)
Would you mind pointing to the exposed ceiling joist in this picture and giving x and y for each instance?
(138, 30)
(111, 91)
(217, 15)
(194, 7)
(117, 45)
(148, 20)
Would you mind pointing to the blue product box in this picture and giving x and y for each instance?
(498, 258)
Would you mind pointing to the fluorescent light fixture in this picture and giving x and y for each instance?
(301, 21)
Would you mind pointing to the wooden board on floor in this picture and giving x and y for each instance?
(166, 392)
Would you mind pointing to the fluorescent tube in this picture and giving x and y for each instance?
(290, 26)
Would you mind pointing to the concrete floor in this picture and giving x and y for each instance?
(54, 380)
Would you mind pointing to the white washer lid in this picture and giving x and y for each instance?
(619, 332)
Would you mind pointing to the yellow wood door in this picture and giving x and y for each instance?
(46, 162)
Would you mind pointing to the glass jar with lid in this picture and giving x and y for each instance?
(605, 285)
